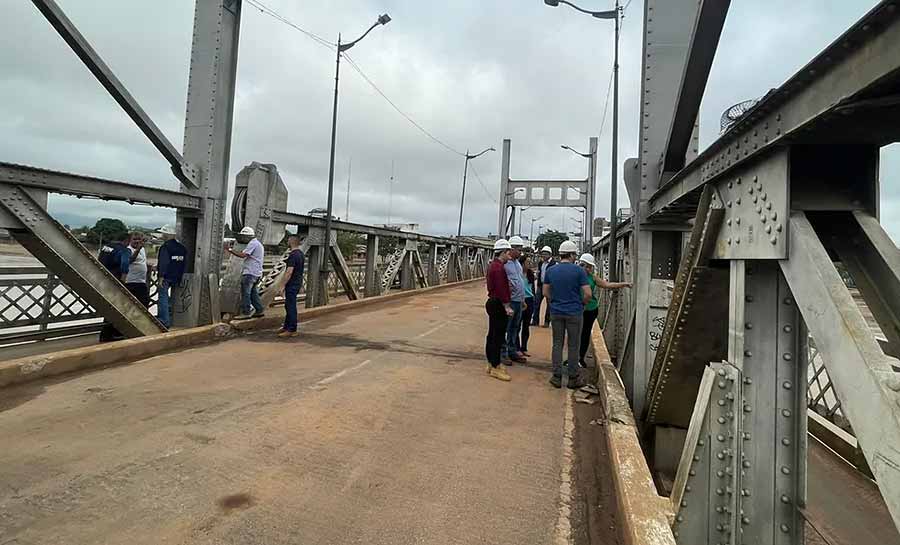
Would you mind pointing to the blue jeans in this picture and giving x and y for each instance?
(250, 300)
(512, 330)
(290, 308)
(163, 310)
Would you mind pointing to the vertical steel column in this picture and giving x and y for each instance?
(434, 276)
(504, 188)
(668, 26)
(588, 227)
(373, 279)
(407, 275)
(207, 144)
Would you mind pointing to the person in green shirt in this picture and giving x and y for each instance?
(591, 309)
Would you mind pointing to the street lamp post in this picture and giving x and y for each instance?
(531, 233)
(382, 20)
(462, 198)
(586, 237)
(614, 14)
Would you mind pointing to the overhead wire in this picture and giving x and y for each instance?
(278, 17)
(481, 183)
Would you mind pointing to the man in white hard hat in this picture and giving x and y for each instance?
(567, 289)
(171, 263)
(498, 310)
(543, 266)
(251, 273)
(592, 308)
(516, 279)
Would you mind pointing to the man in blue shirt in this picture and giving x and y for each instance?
(116, 257)
(516, 280)
(171, 263)
(567, 289)
(251, 273)
(291, 282)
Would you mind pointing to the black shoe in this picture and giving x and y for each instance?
(574, 384)
(258, 315)
(556, 382)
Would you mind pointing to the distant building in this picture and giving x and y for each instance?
(600, 226)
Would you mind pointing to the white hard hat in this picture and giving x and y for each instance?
(546, 249)
(588, 259)
(568, 247)
(167, 230)
(248, 231)
(516, 241)
(502, 244)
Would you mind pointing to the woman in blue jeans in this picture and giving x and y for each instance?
(530, 280)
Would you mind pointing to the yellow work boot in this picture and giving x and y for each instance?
(500, 373)
(488, 368)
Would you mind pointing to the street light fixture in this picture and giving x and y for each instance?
(585, 155)
(462, 198)
(615, 14)
(382, 20)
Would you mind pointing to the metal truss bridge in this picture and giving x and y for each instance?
(749, 381)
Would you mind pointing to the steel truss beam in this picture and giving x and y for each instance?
(704, 42)
(815, 104)
(98, 188)
(301, 220)
(57, 249)
(863, 379)
(104, 74)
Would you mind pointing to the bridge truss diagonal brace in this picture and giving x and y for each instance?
(59, 251)
(865, 383)
(107, 78)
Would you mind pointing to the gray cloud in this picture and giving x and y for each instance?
(471, 72)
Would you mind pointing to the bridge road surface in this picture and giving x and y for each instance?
(377, 426)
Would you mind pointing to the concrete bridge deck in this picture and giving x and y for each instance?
(375, 426)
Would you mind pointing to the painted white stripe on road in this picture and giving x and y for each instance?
(564, 522)
(339, 374)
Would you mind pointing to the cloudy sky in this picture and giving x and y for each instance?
(470, 72)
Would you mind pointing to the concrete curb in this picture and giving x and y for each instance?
(644, 516)
(32, 368)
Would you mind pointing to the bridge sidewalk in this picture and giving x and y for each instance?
(377, 426)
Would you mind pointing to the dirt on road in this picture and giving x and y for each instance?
(378, 426)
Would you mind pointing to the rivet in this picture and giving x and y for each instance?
(748, 325)
(786, 442)
(722, 384)
(745, 493)
(748, 354)
(720, 492)
(687, 488)
(719, 509)
(701, 442)
(785, 528)
(720, 473)
(745, 520)
(721, 403)
(692, 473)
(786, 413)
(737, 200)
(788, 301)
(769, 230)
(787, 385)
(748, 408)
(788, 328)
(750, 190)
(746, 463)
(721, 438)
(787, 356)
(749, 298)
(785, 499)
(746, 436)
(721, 372)
(696, 458)
(679, 518)
(721, 420)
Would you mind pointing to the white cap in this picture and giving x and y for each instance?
(516, 241)
(248, 231)
(567, 247)
(546, 249)
(502, 244)
(588, 259)
(167, 230)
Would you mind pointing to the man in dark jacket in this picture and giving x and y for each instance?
(171, 263)
(116, 257)
(292, 281)
(542, 268)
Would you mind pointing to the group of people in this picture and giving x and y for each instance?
(126, 260)
(289, 282)
(516, 289)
